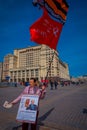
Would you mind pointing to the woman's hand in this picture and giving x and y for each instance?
(7, 104)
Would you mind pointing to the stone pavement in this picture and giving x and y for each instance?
(62, 109)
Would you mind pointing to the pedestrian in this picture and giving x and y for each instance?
(55, 84)
(15, 84)
(51, 83)
(26, 83)
(33, 90)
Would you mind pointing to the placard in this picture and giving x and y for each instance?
(28, 107)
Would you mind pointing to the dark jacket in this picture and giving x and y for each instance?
(32, 107)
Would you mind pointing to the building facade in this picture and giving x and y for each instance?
(10, 62)
(63, 70)
(1, 71)
(36, 61)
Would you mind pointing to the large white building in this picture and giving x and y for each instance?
(34, 62)
(1, 71)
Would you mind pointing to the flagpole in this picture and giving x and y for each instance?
(50, 66)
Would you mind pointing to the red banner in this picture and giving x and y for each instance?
(56, 8)
(46, 31)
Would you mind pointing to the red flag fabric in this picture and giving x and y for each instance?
(46, 31)
(56, 8)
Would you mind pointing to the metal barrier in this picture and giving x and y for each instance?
(10, 84)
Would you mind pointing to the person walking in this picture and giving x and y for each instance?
(55, 84)
(51, 83)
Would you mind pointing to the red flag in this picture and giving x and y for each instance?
(56, 8)
(46, 31)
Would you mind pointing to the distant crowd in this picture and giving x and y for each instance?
(52, 82)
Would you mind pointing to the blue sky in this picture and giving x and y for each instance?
(16, 16)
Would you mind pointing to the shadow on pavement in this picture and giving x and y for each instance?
(42, 118)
